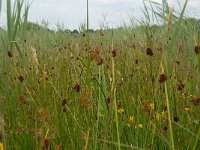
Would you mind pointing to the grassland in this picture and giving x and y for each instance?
(128, 88)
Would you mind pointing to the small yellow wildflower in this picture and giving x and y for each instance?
(187, 109)
(163, 113)
(140, 125)
(101, 114)
(131, 118)
(1, 146)
(157, 117)
(120, 110)
(129, 125)
(151, 105)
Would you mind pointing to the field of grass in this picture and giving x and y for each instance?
(128, 88)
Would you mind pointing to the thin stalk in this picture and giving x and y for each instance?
(98, 109)
(9, 19)
(113, 89)
(169, 118)
(87, 43)
(196, 141)
(87, 139)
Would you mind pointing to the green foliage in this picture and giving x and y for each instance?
(115, 88)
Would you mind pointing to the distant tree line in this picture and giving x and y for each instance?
(34, 26)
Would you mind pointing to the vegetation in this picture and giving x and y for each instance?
(129, 88)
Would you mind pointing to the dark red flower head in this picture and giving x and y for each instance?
(181, 86)
(176, 119)
(10, 54)
(114, 52)
(45, 145)
(162, 78)
(197, 49)
(77, 87)
(196, 101)
(64, 102)
(21, 78)
(149, 52)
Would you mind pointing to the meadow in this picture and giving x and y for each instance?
(134, 87)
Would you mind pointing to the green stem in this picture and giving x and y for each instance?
(113, 89)
(196, 141)
(169, 118)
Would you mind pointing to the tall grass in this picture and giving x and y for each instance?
(127, 88)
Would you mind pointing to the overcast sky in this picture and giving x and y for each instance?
(73, 12)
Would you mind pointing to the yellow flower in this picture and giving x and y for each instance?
(129, 125)
(163, 113)
(131, 118)
(1, 146)
(140, 125)
(157, 117)
(187, 109)
(151, 105)
(120, 110)
(101, 114)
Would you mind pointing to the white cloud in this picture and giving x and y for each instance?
(73, 12)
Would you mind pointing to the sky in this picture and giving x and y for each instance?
(72, 13)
